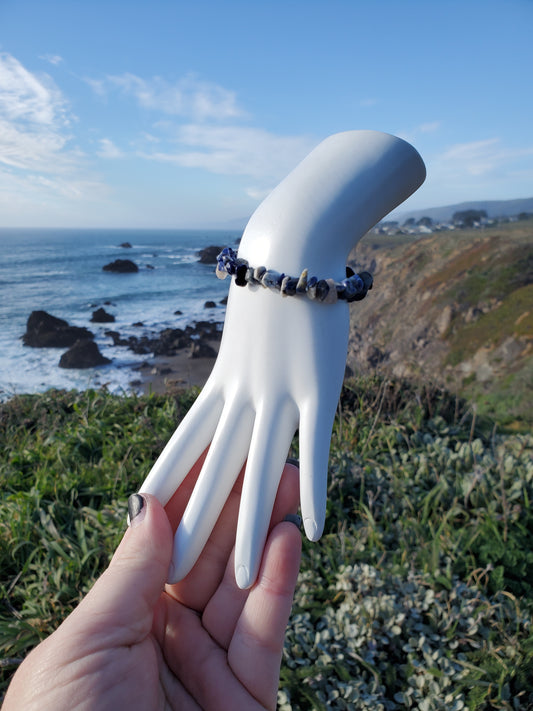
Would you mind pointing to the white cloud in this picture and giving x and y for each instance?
(39, 169)
(237, 150)
(108, 149)
(25, 97)
(429, 127)
(188, 96)
(54, 59)
(34, 120)
(481, 158)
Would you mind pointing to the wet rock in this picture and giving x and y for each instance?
(83, 354)
(210, 305)
(209, 255)
(46, 331)
(200, 349)
(121, 266)
(125, 245)
(102, 316)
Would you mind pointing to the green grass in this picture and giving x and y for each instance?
(419, 594)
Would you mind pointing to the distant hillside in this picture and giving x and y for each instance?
(493, 208)
(455, 308)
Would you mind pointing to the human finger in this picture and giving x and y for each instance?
(274, 429)
(121, 603)
(255, 650)
(225, 606)
(222, 465)
(186, 445)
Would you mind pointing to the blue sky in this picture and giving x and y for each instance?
(185, 114)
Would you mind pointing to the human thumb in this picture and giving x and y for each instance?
(126, 594)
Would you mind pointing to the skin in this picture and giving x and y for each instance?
(204, 643)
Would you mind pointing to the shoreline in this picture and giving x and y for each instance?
(163, 374)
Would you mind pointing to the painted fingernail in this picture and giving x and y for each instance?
(135, 506)
(294, 518)
(294, 462)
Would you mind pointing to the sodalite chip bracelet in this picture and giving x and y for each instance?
(353, 288)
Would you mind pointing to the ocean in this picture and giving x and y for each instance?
(60, 271)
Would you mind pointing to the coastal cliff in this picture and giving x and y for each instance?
(455, 308)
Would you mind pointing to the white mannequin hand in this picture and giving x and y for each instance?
(282, 359)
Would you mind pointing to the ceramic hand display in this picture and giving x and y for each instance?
(282, 357)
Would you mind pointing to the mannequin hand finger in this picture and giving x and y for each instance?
(222, 465)
(274, 429)
(185, 447)
(315, 436)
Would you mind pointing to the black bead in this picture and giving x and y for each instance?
(240, 275)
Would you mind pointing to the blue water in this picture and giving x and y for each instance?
(60, 271)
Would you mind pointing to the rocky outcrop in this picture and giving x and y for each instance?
(455, 308)
(199, 349)
(171, 341)
(46, 331)
(209, 255)
(121, 266)
(102, 316)
(83, 354)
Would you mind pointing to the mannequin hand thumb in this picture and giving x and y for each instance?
(131, 586)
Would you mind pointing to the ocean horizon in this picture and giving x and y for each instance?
(61, 271)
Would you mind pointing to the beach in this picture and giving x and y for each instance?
(169, 373)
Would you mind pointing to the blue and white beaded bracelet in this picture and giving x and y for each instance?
(328, 291)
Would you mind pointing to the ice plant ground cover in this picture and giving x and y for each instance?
(419, 595)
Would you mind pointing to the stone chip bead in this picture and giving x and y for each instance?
(331, 296)
(311, 288)
(271, 279)
(301, 286)
(288, 286)
(353, 288)
(240, 275)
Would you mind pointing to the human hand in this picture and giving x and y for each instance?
(204, 643)
(281, 361)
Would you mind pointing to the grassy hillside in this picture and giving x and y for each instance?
(455, 308)
(418, 596)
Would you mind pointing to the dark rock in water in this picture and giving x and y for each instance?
(101, 316)
(83, 354)
(125, 245)
(170, 341)
(122, 266)
(210, 305)
(117, 338)
(46, 331)
(178, 313)
(150, 266)
(209, 255)
(138, 324)
(199, 349)
(223, 301)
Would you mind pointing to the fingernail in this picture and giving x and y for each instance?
(135, 507)
(294, 462)
(294, 518)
